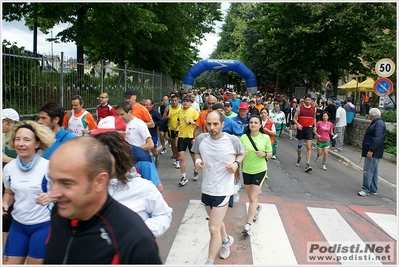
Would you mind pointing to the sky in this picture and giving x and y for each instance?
(17, 32)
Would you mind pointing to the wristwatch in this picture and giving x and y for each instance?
(238, 163)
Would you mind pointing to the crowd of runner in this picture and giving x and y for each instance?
(242, 129)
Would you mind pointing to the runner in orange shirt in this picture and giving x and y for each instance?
(138, 110)
(201, 121)
(78, 120)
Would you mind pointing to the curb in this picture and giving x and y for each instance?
(359, 168)
(353, 165)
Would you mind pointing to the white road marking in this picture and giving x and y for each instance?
(388, 222)
(269, 241)
(337, 231)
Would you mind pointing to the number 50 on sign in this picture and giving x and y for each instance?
(385, 67)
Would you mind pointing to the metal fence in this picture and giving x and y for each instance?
(30, 82)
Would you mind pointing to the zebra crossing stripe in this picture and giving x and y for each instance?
(337, 231)
(269, 241)
(388, 222)
(191, 243)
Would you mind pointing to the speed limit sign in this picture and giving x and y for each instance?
(385, 67)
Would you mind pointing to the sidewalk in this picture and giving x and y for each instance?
(387, 171)
(351, 155)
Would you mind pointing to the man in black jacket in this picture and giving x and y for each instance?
(87, 225)
(372, 151)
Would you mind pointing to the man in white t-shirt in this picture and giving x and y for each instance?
(194, 104)
(339, 126)
(218, 179)
(137, 132)
(197, 97)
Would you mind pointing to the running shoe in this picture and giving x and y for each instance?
(164, 151)
(323, 167)
(308, 168)
(170, 145)
(177, 164)
(363, 194)
(317, 158)
(274, 157)
(183, 181)
(298, 162)
(225, 249)
(247, 229)
(195, 176)
(258, 209)
(208, 262)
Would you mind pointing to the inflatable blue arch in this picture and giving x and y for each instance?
(221, 65)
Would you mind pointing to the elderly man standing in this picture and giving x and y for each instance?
(372, 151)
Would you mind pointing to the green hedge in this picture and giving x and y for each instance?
(389, 116)
(390, 142)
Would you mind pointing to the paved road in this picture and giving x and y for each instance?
(298, 207)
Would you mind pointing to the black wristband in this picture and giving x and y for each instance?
(238, 163)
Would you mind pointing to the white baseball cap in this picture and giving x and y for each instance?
(9, 113)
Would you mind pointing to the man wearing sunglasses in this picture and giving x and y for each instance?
(201, 121)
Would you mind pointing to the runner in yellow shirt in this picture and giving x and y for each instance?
(186, 122)
(170, 114)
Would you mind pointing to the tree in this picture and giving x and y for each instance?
(383, 33)
(156, 36)
(232, 40)
(306, 42)
(315, 37)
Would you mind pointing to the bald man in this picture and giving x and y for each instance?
(201, 121)
(86, 220)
